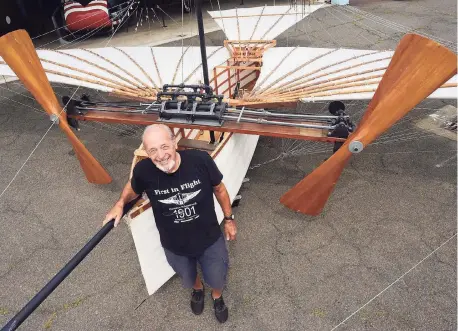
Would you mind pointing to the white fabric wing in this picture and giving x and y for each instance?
(313, 74)
(260, 23)
(129, 69)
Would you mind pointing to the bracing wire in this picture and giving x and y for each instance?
(402, 131)
(52, 124)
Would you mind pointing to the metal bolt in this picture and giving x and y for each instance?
(54, 118)
(355, 147)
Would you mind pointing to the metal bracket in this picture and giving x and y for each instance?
(198, 108)
(343, 126)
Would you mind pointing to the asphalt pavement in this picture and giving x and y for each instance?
(381, 256)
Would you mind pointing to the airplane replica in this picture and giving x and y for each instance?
(232, 96)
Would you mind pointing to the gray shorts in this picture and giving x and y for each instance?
(214, 263)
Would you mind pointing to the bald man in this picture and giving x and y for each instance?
(180, 186)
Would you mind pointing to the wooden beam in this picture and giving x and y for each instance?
(228, 126)
(250, 42)
(247, 59)
(229, 82)
(240, 80)
(215, 76)
(129, 97)
(195, 144)
(239, 67)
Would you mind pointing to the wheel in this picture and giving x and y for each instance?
(335, 106)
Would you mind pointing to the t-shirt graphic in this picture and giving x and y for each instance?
(180, 199)
(179, 206)
(182, 202)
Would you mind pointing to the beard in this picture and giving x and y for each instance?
(166, 166)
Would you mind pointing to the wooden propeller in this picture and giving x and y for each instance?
(19, 53)
(419, 66)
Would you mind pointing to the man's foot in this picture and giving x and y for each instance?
(221, 311)
(197, 301)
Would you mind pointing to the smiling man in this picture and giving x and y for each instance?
(180, 186)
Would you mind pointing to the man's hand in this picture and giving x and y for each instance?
(128, 194)
(116, 213)
(230, 229)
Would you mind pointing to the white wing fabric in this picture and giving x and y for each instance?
(260, 23)
(128, 71)
(311, 74)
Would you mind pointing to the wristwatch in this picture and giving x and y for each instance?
(229, 218)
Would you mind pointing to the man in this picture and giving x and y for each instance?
(180, 186)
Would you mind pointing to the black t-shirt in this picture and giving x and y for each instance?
(182, 202)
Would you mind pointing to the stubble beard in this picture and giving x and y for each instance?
(166, 168)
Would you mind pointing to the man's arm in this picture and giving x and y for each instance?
(127, 195)
(222, 196)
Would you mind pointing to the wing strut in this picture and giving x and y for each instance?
(19, 53)
(419, 66)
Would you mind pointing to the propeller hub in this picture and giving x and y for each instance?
(355, 146)
(54, 118)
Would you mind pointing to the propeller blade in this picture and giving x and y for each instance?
(19, 53)
(310, 195)
(419, 66)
